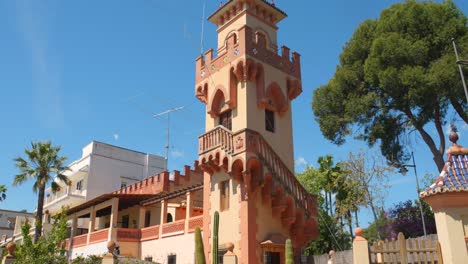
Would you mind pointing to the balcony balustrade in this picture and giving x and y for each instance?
(99, 236)
(138, 235)
(173, 227)
(79, 241)
(251, 141)
(194, 222)
(128, 234)
(150, 233)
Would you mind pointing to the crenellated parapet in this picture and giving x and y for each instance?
(244, 54)
(165, 181)
(247, 41)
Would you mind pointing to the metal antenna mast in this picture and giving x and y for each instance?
(202, 29)
(168, 113)
(460, 63)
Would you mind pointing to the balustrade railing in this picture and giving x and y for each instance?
(173, 227)
(79, 240)
(234, 144)
(194, 222)
(128, 234)
(98, 236)
(149, 233)
(218, 137)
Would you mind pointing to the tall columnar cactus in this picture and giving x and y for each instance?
(289, 252)
(215, 237)
(199, 251)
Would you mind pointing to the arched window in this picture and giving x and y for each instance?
(169, 218)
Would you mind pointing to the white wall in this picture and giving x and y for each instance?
(8, 220)
(93, 249)
(111, 165)
(183, 246)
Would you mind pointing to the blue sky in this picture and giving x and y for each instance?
(76, 71)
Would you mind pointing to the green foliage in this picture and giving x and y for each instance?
(378, 229)
(3, 190)
(323, 182)
(42, 163)
(88, 260)
(368, 176)
(48, 249)
(405, 217)
(199, 251)
(331, 236)
(289, 252)
(397, 74)
(215, 237)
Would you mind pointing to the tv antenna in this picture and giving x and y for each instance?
(168, 113)
(202, 28)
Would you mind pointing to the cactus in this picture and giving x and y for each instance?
(199, 251)
(289, 252)
(215, 237)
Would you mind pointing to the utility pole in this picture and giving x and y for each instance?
(404, 170)
(168, 113)
(460, 63)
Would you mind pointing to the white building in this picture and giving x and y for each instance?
(7, 223)
(102, 168)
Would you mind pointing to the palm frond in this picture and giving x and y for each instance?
(63, 178)
(55, 187)
(20, 179)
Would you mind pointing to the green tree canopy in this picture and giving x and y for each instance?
(48, 249)
(41, 164)
(397, 74)
(323, 183)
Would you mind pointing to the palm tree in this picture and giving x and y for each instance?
(41, 164)
(3, 190)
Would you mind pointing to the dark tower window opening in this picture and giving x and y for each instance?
(270, 121)
(261, 39)
(224, 197)
(225, 119)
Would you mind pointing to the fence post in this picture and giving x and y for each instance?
(360, 248)
(402, 245)
(440, 260)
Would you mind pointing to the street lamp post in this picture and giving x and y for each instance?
(403, 171)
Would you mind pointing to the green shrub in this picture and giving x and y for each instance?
(289, 252)
(49, 248)
(199, 251)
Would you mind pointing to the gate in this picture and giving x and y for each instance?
(406, 251)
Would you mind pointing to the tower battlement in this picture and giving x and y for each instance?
(240, 50)
(162, 182)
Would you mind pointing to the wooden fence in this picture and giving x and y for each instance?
(406, 251)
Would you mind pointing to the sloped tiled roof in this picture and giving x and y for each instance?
(454, 176)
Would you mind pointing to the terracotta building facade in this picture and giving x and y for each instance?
(245, 168)
(247, 150)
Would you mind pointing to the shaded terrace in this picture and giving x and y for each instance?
(125, 217)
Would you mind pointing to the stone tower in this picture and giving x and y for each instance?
(247, 150)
